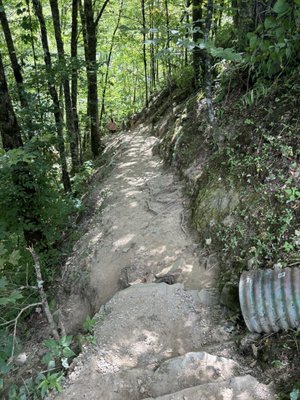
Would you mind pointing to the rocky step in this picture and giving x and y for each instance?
(238, 388)
(150, 343)
(194, 374)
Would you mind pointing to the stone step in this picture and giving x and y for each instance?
(238, 388)
(192, 369)
(174, 375)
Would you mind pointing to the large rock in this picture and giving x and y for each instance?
(239, 388)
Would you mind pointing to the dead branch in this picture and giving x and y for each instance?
(42, 292)
(15, 327)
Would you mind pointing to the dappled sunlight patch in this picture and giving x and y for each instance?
(134, 204)
(97, 238)
(126, 164)
(123, 241)
(158, 250)
(130, 192)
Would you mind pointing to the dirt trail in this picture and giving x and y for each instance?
(159, 316)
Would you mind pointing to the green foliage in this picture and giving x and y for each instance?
(81, 179)
(89, 324)
(36, 389)
(225, 36)
(183, 77)
(275, 43)
(60, 351)
(50, 382)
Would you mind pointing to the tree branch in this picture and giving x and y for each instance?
(101, 12)
(15, 326)
(42, 292)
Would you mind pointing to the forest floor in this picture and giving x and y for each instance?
(161, 331)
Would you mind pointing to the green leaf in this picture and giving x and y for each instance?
(11, 298)
(54, 346)
(3, 282)
(43, 386)
(226, 54)
(47, 358)
(4, 368)
(281, 7)
(3, 250)
(14, 257)
(51, 364)
(297, 2)
(270, 23)
(67, 352)
(65, 341)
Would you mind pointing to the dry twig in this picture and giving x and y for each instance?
(42, 292)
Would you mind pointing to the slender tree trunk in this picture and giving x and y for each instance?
(109, 61)
(17, 70)
(168, 40)
(74, 83)
(186, 17)
(22, 178)
(152, 48)
(32, 43)
(13, 57)
(53, 94)
(197, 35)
(91, 65)
(145, 53)
(66, 85)
(9, 127)
(87, 131)
(243, 20)
(91, 62)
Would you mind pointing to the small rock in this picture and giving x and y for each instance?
(254, 350)
(20, 359)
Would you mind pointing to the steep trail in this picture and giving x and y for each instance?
(160, 332)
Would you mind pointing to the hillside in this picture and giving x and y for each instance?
(149, 162)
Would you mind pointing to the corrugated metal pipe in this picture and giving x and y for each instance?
(270, 300)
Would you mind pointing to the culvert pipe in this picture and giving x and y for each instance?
(270, 300)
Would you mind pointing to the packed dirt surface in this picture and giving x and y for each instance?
(161, 332)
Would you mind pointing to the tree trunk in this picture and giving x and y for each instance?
(152, 49)
(66, 85)
(21, 174)
(53, 94)
(9, 127)
(91, 66)
(87, 129)
(243, 20)
(168, 40)
(144, 53)
(197, 35)
(108, 62)
(32, 43)
(74, 83)
(13, 57)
